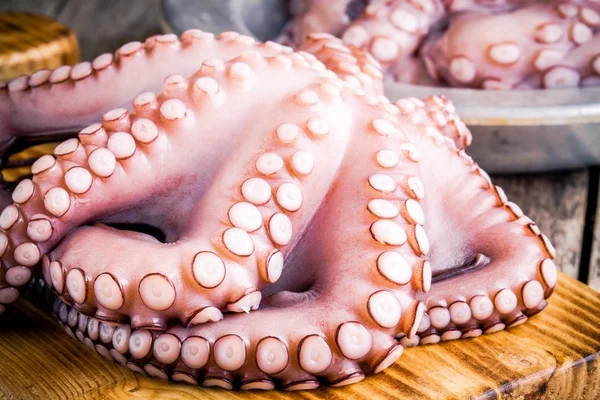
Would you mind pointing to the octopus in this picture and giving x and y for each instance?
(267, 220)
(505, 44)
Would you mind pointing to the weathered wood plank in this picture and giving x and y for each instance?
(556, 202)
(594, 273)
(556, 355)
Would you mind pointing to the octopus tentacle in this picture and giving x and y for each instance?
(275, 191)
(292, 358)
(382, 248)
(391, 31)
(152, 224)
(369, 244)
(439, 113)
(54, 105)
(495, 240)
(60, 100)
(358, 68)
(583, 60)
(519, 49)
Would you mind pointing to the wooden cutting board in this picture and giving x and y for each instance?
(30, 42)
(554, 356)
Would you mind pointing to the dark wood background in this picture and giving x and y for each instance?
(564, 204)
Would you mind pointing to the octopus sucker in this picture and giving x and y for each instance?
(357, 67)
(535, 46)
(392, 30)
(138, 69)
(493, 45)
(112, 166)
(513, 294)
(335, 229)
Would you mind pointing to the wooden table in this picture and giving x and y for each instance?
(555, 356)
(565, 206)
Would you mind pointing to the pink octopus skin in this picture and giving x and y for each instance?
(392, 30)
(519, 49)
(519, 44)
(357, 70)
(412, 70)
(27, 104)
(357, 67)
(309, 188)
(78, 181)
(28, 107)
(583, 62)
(330, 336)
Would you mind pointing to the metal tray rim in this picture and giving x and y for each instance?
(512, 107)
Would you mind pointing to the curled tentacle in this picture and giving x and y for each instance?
(61, 100)
(362, 244)
(384, 247)
(520, 49)
(349, 63)
(134, 169)
(352, 64)
(492, 267)
(392, 30)
(583, 60)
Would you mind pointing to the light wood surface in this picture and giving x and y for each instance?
(555, 355)
(30, 42)
(594, 227)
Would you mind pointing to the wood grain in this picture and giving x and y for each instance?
(557, 203)
(556, 355)
(31, 42)
(594, 273)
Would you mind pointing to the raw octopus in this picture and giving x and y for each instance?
(257, 218)
(520, 44)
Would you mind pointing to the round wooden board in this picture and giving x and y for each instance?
(30, 42)
(555, 355)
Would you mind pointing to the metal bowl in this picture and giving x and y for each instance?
(513, 131)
